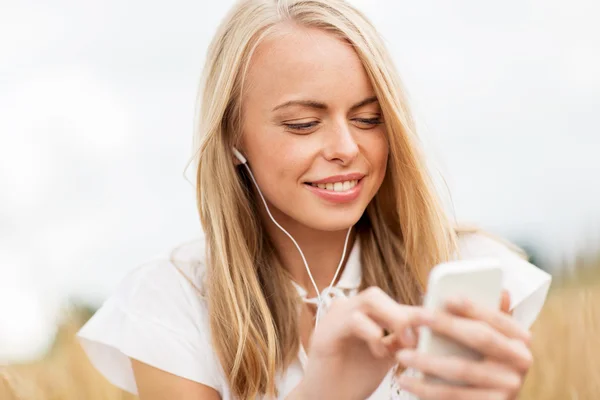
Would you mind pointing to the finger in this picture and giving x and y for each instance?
(394, 317)
(393, 343)
(505, 302)
(437, 391)
(366, 329)
(485, 374)
(483, 338)
(500, 321)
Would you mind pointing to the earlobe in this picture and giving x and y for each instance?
(239, 158)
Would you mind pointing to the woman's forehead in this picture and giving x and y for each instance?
(305, 61)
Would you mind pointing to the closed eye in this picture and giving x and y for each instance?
(368, 122)
(301, 126)
(306, 127)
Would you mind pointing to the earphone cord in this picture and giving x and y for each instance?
(339, 267)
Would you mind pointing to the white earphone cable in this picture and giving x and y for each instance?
(339, 267)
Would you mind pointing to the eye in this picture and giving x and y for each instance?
(368, 123)
(302, 127)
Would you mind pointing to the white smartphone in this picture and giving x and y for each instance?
(479, 280)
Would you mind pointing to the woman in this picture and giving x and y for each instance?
(317, 210)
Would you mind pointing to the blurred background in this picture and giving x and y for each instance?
(97, 107)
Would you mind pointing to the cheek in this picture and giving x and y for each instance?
(281, 164)
(377, 150)
(278, 175)
(377, 156)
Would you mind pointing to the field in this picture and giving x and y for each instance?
(566, 346)
(566, 343)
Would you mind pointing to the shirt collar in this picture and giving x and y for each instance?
(351, 276)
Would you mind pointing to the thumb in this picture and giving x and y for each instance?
(505, 302)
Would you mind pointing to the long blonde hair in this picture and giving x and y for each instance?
(403, 232)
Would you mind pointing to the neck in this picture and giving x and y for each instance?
(322, 250)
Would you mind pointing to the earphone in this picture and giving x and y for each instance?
(239, 156)
(320, 302)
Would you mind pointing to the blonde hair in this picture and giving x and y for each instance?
(403, 232)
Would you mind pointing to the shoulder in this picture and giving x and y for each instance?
(169, 282)
(157, 315)
(527, 284)
(476, 243)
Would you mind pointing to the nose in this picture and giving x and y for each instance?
(341, 146)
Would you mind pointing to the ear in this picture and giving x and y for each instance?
(238, 157)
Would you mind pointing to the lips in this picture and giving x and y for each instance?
(338, 192)
(355, 176)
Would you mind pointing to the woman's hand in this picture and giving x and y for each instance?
(502, 342)
(349, 355)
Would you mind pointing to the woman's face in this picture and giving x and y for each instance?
(312, 129)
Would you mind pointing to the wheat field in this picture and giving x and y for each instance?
(566, 342)
(566, 347)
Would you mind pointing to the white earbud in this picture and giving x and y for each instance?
(239, 156)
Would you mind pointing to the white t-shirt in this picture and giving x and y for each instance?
(157, 317)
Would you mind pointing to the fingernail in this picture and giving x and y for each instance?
(404, 356)
(521, 348)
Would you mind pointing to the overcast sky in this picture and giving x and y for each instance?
(96, 114)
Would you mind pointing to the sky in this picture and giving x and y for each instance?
(96, 120)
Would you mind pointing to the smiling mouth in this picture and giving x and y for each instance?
(337, 186)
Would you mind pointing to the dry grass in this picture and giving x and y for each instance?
(566, 347)
(566, 343)
(65, 374)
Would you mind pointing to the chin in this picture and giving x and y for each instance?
(333, 222)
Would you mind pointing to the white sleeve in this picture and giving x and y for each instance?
(157, 317)
(527, 284)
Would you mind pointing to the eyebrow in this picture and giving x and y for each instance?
(322, 106)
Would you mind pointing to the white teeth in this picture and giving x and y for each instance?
(337, 186)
